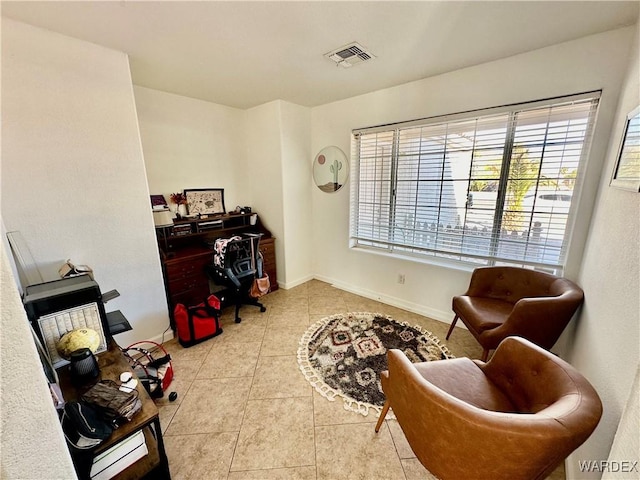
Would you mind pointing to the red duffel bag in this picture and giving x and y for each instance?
(198, 323)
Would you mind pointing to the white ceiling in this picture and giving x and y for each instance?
(244, 54)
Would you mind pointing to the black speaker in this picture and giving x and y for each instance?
(84, 367)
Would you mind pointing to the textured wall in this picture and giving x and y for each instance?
(626, 443)
(606, 339)
(190, 143)
(32, 444)
(264, 172)
(279, 173)
(296, 177)
(73, 176)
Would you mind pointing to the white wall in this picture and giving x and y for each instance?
(29, 420)
(296, 192)
(191, 143)
(278, 136)
(259, 156)
(626, 443)
(73, 176)
(264, 172)
(606, 342)
(595, 62)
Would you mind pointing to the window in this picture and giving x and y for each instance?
(488, 187)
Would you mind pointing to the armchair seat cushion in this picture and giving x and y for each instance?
(480, 314)
(462, 378)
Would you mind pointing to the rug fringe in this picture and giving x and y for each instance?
(330, 393)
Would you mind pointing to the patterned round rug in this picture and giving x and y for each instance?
(343, 355)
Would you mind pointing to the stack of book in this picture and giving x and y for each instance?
(210, 225)
(114, 460)
(182, 230)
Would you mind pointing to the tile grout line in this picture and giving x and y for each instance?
(244, 413)
(313, 406)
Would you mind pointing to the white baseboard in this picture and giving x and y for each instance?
(168, 335)
(442, 316)
(295, 283)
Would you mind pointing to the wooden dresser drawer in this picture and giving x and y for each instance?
(191, 297)
(187, 268)
(184, 284)
(185, 278)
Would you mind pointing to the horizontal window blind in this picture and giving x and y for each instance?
(489, 187)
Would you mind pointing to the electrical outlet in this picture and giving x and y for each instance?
(401, 278)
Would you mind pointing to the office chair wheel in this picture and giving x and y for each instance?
(238, 319)
(263, 309)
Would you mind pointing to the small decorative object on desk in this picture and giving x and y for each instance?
(180, 201)
(158, 202)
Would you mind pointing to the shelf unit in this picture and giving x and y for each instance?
(153, 465)
(183, 232)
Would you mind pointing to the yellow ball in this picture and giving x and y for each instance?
(77, 339)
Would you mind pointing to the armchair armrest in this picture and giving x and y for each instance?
(539, 319)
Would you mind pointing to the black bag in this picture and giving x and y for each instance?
(83, 427)
(199, 323)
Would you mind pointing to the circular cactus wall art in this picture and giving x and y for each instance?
(330, 169)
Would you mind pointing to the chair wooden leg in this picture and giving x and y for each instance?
(485, 355)
(383, 414)
(453, 324)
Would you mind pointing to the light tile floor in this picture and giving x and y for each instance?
(245, 411)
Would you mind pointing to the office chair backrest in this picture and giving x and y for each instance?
(220, 247)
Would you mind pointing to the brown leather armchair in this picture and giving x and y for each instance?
(504, 301)
(517, 416)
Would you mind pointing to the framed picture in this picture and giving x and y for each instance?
(330, 169)
(205, 201)
(626, 173)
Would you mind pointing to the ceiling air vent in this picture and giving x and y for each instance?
(350, 55)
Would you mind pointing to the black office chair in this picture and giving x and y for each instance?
(236, 264)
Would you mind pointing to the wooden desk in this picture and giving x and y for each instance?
(154, 465)
(185, 250)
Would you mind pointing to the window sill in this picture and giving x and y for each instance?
(434, 261)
